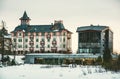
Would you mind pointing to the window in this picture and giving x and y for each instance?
(19, 34)
(42, 39)
(63, 45)
(63, 39)
(19, 40)
(26, 40)
(48, 46)
(26, 46)
(48, 40)
(14, 40)
(37, 40)
(37, 46)
(19, 46)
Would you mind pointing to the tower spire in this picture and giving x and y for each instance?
(25, 19)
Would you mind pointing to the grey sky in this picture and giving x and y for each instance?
(74, 13)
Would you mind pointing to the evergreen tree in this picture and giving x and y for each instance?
(118, 61)
(107, 57)
(13, 62)
(99, 60)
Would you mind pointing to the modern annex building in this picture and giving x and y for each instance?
(94, 39)
(28, 38)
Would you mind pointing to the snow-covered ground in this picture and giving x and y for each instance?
(18, 58)
(30, 71)
(37, 71)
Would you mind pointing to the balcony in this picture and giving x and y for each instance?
(42, 49)
(31, 43)
(31, 37)
(54, 42)
(48, 36)
(31, 48)
(53, 48)
(42, 42)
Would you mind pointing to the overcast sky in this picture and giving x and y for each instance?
(74, 13)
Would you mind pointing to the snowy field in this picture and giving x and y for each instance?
(30, 71)
(34, 71)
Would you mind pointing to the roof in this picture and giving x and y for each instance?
(25, 17)
(92, 27)
(8, 36)
(57, 55)
(39, 28)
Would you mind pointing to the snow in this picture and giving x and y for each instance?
(18, 58)
(34, 71)
(38, 71)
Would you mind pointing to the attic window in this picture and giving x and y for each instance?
(19, 34)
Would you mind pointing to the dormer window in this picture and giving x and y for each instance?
(20, 34)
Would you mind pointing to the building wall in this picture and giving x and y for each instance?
(105, 41)
(21, 45)
(89, 42)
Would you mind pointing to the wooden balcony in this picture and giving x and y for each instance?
(31, 43)
(42, 42)
(31, 48)
(54, 42)
(48, 36)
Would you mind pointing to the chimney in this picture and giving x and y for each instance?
(91, 24)
(58, 21)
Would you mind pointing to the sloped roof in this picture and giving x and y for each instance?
(38, 28)
(24, 17)
(96, 28)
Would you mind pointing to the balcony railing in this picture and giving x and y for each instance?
(54, 42)
(48, 36)
(53, 48)
(42, 42)
(31, 43)
(31, 48)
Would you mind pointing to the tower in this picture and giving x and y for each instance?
(25, 19)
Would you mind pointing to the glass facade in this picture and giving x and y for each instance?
(89, 42)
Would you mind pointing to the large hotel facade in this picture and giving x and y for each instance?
(94, 39)
(28, 38)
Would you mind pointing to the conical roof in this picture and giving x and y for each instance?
(25, 17)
